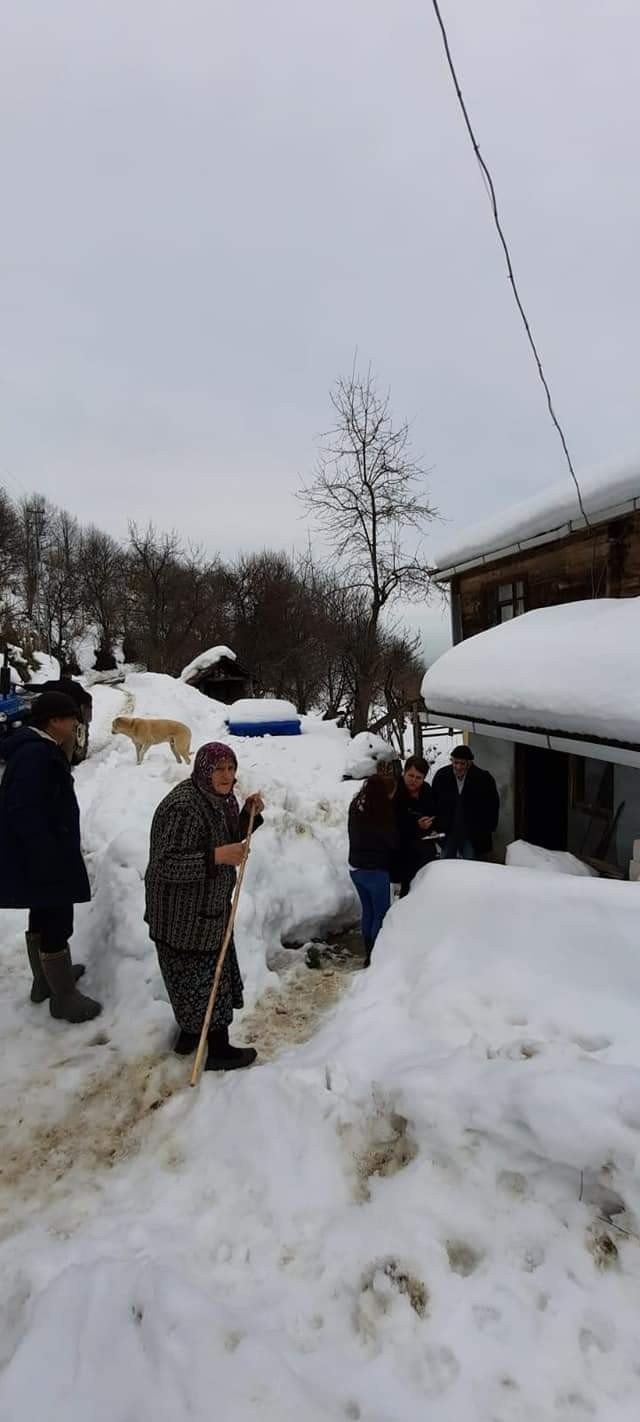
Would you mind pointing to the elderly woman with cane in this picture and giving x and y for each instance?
(197, 836)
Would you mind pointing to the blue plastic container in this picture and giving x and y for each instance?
(264, 728)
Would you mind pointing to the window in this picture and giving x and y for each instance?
(510, 601)
(592, 787)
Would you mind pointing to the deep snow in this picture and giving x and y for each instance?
(403, 1218)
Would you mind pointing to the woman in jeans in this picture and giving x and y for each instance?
(372, 849)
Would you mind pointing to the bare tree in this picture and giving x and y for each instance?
(9, 544)
(59, 613)
(35, 516)
(366, 499)
(103, 575)
(152, 561)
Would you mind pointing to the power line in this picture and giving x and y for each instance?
(494, 205)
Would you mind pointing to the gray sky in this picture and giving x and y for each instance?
(208, 204)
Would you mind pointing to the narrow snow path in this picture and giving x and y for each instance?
(110, 1114)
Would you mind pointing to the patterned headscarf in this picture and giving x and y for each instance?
(206, 761)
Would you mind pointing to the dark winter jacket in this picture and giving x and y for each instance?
(371, 846)
(413, 850)
(41, 864)
(187, 895)
(468, 814)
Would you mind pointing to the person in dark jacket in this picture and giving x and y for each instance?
(41, 864)
(197, 835)
(415, 810)
(467, 806)
(373, 845)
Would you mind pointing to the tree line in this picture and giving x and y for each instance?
(313, 631)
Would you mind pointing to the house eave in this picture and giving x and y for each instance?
(571, 742)
(524, 545)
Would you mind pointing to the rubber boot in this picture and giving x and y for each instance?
(40, 987)
(223, 1057)
(66, 1002)
(368, 950)
(186, 1043)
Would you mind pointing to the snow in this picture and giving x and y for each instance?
(404, 1217)
(553, 861)
(363, 754)
(256, 710)
(206, 660)
(555, 509)
(573, 668)
(48, 668)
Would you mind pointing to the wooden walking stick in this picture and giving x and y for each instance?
(202, 1044)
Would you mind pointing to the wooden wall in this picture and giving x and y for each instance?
(599, 562)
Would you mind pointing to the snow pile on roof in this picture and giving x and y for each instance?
(363, 753)
(522, 855)
(206, 660)
(398, 1220)
(574, 668)
(605, 488)
(258, 710)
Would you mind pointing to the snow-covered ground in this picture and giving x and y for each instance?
(405, 1218)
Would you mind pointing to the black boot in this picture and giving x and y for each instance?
(223, 1057)
(66, 1002)
(368, 950)
(185, 1043)
(40, 988)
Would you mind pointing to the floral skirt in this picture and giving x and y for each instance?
(188, 978)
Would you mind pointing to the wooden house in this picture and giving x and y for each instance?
(574, 785)
(218, 673)
(543, 553)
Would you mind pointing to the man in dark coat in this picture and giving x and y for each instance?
(41, 864)
(415, 810)
(467, 806)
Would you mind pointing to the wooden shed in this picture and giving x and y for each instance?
(218, 673)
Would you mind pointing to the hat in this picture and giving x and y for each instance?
(51, 706)
(462, 753)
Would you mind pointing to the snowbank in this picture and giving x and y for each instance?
(363, 753)
(522, 855)
(206, 660)
(574, 668)
(48, 668)
(554, 510)
(402, 1219)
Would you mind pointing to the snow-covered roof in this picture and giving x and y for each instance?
(608, 491)
(206, 660)
(572, 670)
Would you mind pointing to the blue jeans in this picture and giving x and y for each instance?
(451, 850)
(374, 891)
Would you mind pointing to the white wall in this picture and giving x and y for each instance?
(498, 757)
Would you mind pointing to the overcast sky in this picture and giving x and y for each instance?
(208, 204)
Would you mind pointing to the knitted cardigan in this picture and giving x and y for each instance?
(187, 895)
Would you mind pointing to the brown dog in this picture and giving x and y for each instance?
(146, 731)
